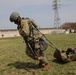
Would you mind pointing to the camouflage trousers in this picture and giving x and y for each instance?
(39, 56)
(38, 52)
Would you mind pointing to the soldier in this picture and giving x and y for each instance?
(66, 56)
(32, 37)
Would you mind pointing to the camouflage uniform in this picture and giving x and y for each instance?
(28, 27)
(66, 56)
(35, 43)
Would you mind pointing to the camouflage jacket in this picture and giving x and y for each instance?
(28, 28)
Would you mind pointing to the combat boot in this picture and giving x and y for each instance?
(46, 67)
(43, 63)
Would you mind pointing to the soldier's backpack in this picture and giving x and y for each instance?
(43, 43)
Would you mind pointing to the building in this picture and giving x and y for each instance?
(15, 33)
(9, 33)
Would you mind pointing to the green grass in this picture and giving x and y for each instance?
(14, 61)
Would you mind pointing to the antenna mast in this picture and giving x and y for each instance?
(56, 6)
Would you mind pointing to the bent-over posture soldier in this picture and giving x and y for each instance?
(32, 37)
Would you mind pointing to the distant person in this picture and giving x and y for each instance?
(2, 35)
(32, 37)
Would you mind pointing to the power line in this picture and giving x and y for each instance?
(56, 6)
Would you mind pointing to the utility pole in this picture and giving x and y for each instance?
(56, 7)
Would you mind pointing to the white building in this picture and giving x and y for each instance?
(15, 33)
(9, 33)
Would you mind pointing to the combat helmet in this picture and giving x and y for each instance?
(14, 16)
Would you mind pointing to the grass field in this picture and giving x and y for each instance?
(14, 61)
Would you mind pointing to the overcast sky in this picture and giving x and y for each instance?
(39, 10)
